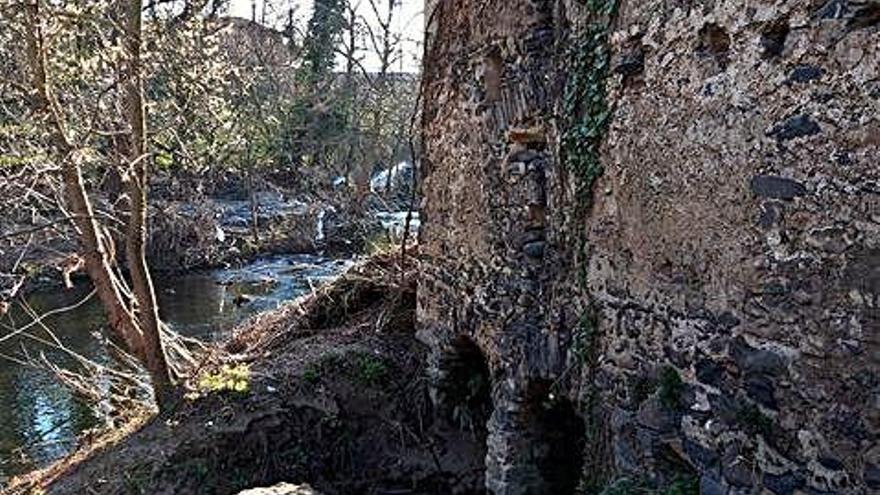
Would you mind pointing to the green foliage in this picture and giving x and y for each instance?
(584, 338)
(361, 366)
(325, 26)
(585, 119)
(683, 485)
(626, 486)
(232, 378)
(371, 370)
(583, 263)
(223, 98)
(194, 90)
(380, 242)
(585, 108)
(643, 387)
(585, 347)
(12, 161)
(164, 160)
(313, 133)
(311, 374)
(680, 485)
(670, 388)
(327, 363)
(755, 422)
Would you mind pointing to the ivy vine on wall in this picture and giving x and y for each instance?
(586, 111)
(586, 115)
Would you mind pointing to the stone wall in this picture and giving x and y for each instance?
(490, 173)
(726, 330)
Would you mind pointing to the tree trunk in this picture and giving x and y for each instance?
(92, 243)
(142, 284)
(136, 324)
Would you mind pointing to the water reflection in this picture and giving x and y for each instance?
(40, 419)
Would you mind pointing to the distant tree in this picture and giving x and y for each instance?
(351, 118)
(324, 28)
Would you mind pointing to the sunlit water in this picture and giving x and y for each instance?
(40, 419)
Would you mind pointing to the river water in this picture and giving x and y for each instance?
(40, 419)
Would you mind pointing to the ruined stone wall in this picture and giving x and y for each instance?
(731, 299)
(736, 238)
(496, 264)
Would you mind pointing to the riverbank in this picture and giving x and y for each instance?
(44, 418)
(332, 393)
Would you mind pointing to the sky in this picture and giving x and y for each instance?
(408, 20)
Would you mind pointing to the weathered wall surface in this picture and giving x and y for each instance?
(495, 265)
(733, 241)
(736, 237)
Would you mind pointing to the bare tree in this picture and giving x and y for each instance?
(384, 40)
(132, 315)
(142, 284)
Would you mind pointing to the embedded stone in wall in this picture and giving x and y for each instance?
(729, 256)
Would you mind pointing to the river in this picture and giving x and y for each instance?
(40, 419)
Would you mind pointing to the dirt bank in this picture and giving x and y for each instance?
(336, 396)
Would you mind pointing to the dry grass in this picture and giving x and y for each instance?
(382, 278)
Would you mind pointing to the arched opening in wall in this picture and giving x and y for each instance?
(466, 387)
(560, 440)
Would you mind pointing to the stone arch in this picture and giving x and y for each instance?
(536, 440)
(462, 385)
(561, 432)
(558, 435)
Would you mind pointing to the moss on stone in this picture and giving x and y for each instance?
(752, 420)
(680, 485)
(670, 388)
